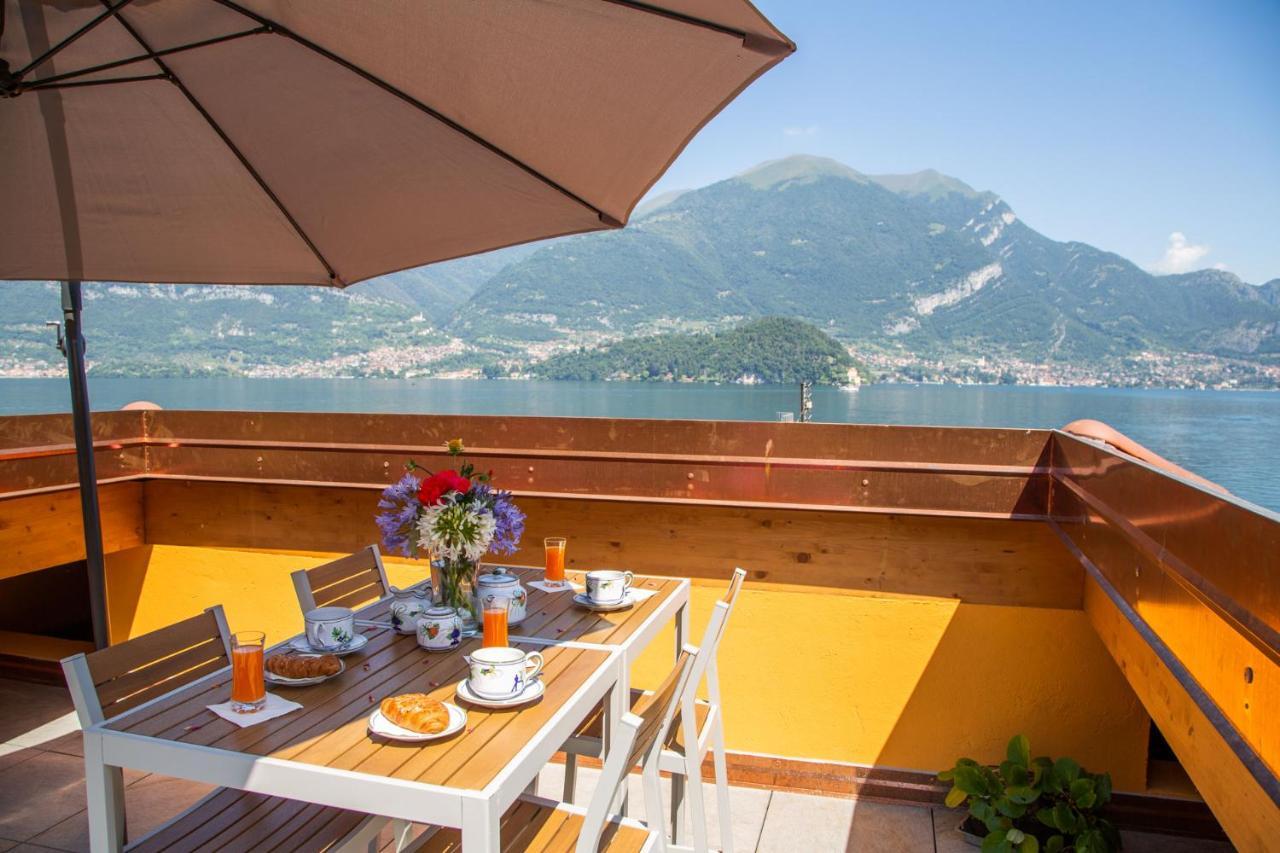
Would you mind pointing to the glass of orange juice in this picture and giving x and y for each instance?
(248, 692)
(554, 546)
(495, 620)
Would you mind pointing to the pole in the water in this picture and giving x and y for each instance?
(73, 347)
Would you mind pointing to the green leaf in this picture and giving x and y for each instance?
(995, 842)
(1019, 750)
(1009, 808)
(1054, 844)
(1082, 791)
(946, 775)
(1029, 845)
(1064, 818)
(969, 779)
(980, 809)
(1015, 836)
(1045, 816)
(955, 797)
(1066, 770)
(1022, 794)
(1102, 785)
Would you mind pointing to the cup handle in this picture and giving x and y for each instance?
(537, 665)
(626, 581)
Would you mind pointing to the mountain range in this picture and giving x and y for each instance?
(917, 267)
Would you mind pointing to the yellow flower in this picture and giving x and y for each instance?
(455, 446)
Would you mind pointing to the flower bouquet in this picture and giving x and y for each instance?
(454, 516)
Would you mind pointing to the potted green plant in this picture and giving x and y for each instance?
(1030, 805)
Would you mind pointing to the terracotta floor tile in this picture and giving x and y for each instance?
(49, 789)
(28, 706)
(147, 805)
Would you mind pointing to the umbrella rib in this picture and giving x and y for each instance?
(751, 41)
(217, 128)
(106, 66)
(76, 84)
(414, 102)
(52, 51)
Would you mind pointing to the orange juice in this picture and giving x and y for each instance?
(495, 625)
(555, 559)
(248, 692)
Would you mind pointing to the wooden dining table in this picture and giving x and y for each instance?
(324, 754)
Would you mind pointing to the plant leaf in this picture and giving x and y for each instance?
(1064, 818)
(970, 779)
(995, 842)
(1054, 844)
(1022, 794)
(946, 775)
(955, 797)
(1019, 750)
(1066, 770)
(1045, 816)
(1029, 845)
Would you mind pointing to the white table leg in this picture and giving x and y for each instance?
(481, 825)
(617, 703)
(104, 790)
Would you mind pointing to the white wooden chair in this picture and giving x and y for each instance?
(348, 581)
(700, 723)
(539, 825)
(109, 682)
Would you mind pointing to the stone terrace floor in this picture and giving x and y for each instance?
(42, 804)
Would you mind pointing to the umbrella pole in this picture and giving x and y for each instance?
(80, 417)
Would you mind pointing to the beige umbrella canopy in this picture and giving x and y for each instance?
(329, 141)
(326, 142)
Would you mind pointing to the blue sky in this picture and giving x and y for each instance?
(1118, 124)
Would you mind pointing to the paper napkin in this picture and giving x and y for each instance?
(275, 707)
(567, 586)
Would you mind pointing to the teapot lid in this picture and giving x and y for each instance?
(416, 591)
(440, 610)
(497, 577)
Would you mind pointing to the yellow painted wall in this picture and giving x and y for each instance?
(896, 681)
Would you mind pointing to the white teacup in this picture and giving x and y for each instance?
(330, 628)
(608, 586)
(501, 672)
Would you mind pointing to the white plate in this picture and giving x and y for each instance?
(583, 600)
(380, 725)
(282, 681)
(300, 644)
(533, 690)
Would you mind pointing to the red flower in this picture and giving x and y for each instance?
(438, 485)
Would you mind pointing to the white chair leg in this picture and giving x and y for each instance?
(697, 808)
(653, 799)
(678, 801)
(570, 777)
(104, 791)
(722, 784)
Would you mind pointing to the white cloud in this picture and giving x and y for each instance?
(1180, 255)
(811, 130)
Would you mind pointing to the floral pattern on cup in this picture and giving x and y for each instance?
(330, 628)
(608, 586)
(502, 672)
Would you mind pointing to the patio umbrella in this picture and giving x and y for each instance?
(326, 142)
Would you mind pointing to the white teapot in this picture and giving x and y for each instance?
(502, 584)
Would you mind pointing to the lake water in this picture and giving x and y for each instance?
(1231, 437)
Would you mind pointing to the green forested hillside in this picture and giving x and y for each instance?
(775, 350)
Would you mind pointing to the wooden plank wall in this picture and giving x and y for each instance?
(1199, 575)
(978, 560)
(42, 530)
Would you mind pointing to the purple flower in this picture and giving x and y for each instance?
(508, 519)
(397, 522)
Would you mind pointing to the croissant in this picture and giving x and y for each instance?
(303, 666)
(416, 712)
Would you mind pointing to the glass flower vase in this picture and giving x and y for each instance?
(456, 578)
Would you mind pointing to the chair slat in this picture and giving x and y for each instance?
(358, 581)
(357, 598)
(161, 671)
(128, 703)
(652, 708)
(342, 568)
(115, 661)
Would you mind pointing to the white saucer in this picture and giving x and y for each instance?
(583, 600)
(380, 725)
(533, 690)
(300, 644)
(283, 681)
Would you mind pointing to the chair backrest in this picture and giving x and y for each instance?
(640, 737)
(113, 680)
(346, 582)
(706, 664)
